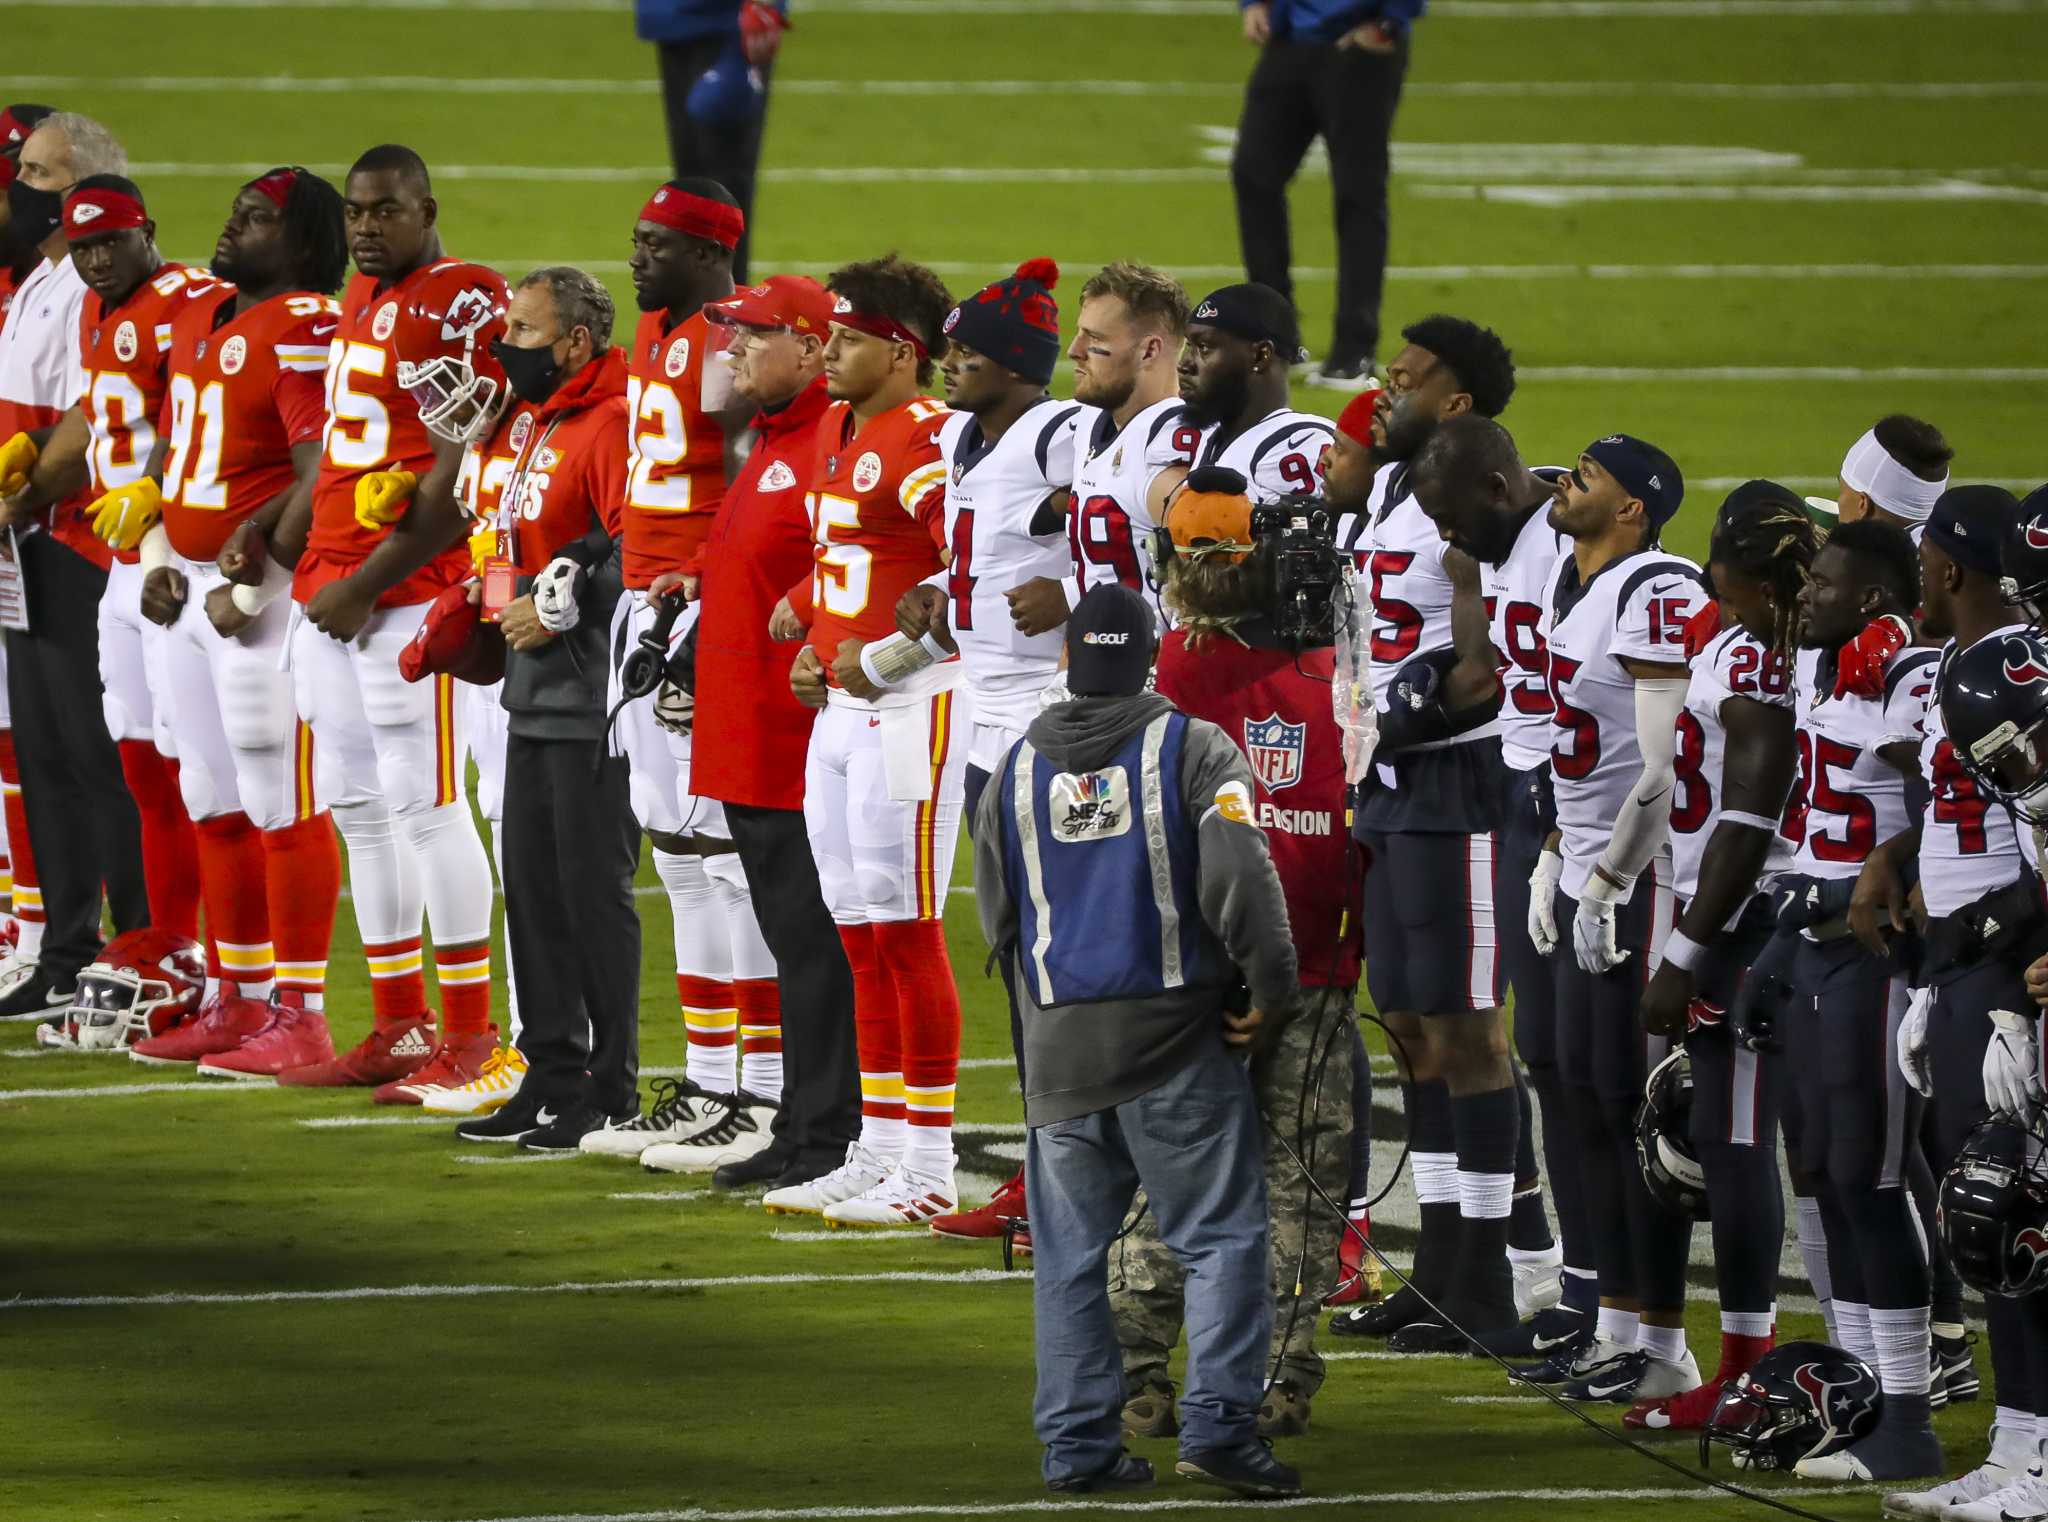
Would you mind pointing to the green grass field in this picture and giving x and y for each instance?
(1741, 228)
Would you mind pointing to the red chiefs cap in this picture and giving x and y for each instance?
(795, 302)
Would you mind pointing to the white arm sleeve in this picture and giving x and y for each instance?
(1645, 820)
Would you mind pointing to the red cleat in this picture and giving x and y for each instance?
(220, 1025)
(295, 1036)
(1357, 1270)
(455, 1062)
(984, 1223)
(388, 1054)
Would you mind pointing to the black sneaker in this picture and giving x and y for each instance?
(1439, 1335)
(509, 1123)
(36, 996)
(1557, 1368)
(1249, 1469)
(562, 1128)
(1343, 375)
(1126, 1473)
(1381, 1320)
(762, 1168)
(1953, 1371)
(1546, 1332)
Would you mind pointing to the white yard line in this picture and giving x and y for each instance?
(494, 1160)
(1804, 374)
(898, 1234)
(472, 1291)
(350, 1122)
(1577, 194)
(662, 1194)
(653, 174)
(137, 1090)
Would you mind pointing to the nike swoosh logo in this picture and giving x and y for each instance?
(323, 332)
(1545, 1344)
(1605, 1392)
(544, 1118)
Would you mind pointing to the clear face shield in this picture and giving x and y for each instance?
(455, 402)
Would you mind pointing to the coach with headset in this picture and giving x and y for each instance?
(1116, 810)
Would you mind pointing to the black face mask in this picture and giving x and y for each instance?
(33, 214)
(533, 374)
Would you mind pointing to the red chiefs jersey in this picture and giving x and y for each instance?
(878, 518)
(566, 460)
(243, 391)
(1279, 715)
(124, 351)
(372, 425)
(677, 476)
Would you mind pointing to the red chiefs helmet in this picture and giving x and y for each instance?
(141, 984)
(443, 338)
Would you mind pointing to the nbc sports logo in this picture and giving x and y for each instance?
(1088, 806)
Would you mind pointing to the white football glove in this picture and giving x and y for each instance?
(674, 709)
(555, 591)
(1543, 901)
(1913, 1043)
(2012, 1065)
(1593, 938)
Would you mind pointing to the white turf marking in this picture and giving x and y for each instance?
(1459, 89)
(991, 1128)
(472, 1291)
(1495, 1400)
(1801, 373)
(1576, 195)
(475, 1160)
(899, 1234)
(1370, 1355)
(661, 1194)
(128, 1090)
(820, 174)
(349, 1122)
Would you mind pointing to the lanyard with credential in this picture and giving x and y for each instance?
(500, 576)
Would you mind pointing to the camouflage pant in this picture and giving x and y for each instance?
(1145, 1279)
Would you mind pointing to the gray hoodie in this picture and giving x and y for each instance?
(1081, 1058)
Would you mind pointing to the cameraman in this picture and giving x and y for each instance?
(1240, 658)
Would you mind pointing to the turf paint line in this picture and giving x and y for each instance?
(130, 1090)
(897, 1235)
(1375, 1355)
(991, 1128)
(970, 1276)
(474, 1161)
(341, 1122)
(1495, 1400)
(1551, 196)
(662, 1194)
(819, 174)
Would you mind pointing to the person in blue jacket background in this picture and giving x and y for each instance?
(717, 57)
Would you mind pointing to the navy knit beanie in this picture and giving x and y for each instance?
(1015, 322)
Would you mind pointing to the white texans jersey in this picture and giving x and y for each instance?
(1735, 665)
(1969, 844)
(1848, 797)
(1634, 609)
(1281, 455)
(1001, 532)
(1109, 521)
(1518, 615)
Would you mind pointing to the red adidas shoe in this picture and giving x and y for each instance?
(455, 1062)
(294, 1037)
(985, 1223)
(1688, 1411)
(1355, 1279)
(221, 1024)
(387, 1054)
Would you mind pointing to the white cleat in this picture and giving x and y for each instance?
(739, 1127)
(1664, 1378)
(2024, 1499)
(679, 1112)
(1539, 1283)
(901, 1199)
(487, 1093)
(1980, 1482)
(861, 1171)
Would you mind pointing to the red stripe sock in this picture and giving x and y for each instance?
(302, 881)
(232, 877)
(398, 983)
(913, 953)
(28, 887)
(878, 1041)
(711, 1026)
(760, 1005)
(1740, 1354)
(170, 851)
(465, 976)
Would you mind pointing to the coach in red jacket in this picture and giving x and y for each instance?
(752, 735)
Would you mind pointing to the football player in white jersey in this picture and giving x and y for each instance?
(1233, 378)
(1133, 449)
(1471, 484)
(1734, 766)
(1971, 874)
(1895, 472)
(1428, 812)
(1862, 696)
(1602, 904)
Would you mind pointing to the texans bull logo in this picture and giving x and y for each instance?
(1830, 1397)
(2029, 1247)
(2023, 667)
(2036, 535)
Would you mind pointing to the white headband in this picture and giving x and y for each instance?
(1870, 469)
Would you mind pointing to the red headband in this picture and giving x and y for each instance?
(878, 324)
(87, 213)
(699, 216)
(277, 185)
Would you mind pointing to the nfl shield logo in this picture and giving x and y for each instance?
(1274, 747)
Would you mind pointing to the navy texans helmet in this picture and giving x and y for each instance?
(1994, 703)
(2023, 558)
(1992, 1211)
(1664, 1149)
(1803, 1400)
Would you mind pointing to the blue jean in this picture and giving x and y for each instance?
(1193, 1143)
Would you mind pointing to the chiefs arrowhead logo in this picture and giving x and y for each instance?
(841, 306)
(470, 310)
(2022, 666)
(85, 212)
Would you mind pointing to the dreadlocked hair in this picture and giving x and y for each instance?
(1768, 536)
(1210, 594)
(313, 221)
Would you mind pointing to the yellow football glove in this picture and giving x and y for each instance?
(122, 516)
(483, 546)
(18, 457)
(381, 497)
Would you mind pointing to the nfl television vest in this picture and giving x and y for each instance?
(1101, 866)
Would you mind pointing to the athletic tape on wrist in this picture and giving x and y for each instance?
(889, 662)
(1681, 950)
(253, 600)
(1749, 821)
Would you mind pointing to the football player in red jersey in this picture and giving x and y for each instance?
(683, 242)
(371, 542)
(887, 761)
(241, 427)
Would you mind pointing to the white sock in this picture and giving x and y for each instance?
(928, 1152)
(212, 990)
(1749, 1323)
(2013, 1443)
(1901, 1339)
(886, 1137)
(1436, 1177)
(30, 946)
(1853, 1322)
(1665, 1343)
(1485, 1196)
(703, 962)
(1533, 1257)
(1619, 1327)
(1813, 1251)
